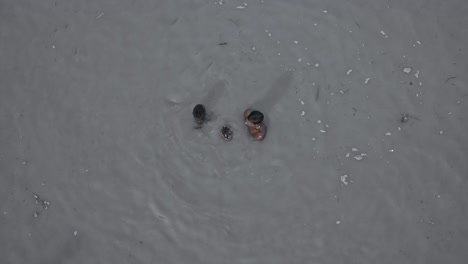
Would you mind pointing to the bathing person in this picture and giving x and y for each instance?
(199, 114)
(254, 120)
(226, 132)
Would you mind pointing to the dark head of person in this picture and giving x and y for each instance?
(199, 113)
(256, 117)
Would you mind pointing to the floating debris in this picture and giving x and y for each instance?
(347, 155)
(407, 70)
(75, 233)
(358, 157)
(404, 118)
(349, 72)
(441, 132)
(42, 202)
(343, 179)
(302, 113)
(366, 81)
(296, 42)
(417, 74)
(325, 11)
(354, 149)
(388, 134)
(338, 222)
(390, 150)
(316, 65)
(323, 131)
(319, 121)
(299, 60)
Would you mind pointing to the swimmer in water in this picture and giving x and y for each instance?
(199, 114)
(254, 119)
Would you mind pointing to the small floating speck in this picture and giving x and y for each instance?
(53, 46)
(325, 11)
(391, 150)
(407, 70)
(354, 149)
(313, 139)
(323, 131)
(253, 48)
(347, 155)
(316, 64)
(438, 196)
(399, 128)
(358, 157)
(75, 233)
(319, 121)
(366, 81)
(419, 42)
(388, 134)
(441, 132)
(363, 154)
(240, 7)
(296, 42)
(420, 83)
(349, 72)
(417, 74)
(338, 222)
(302, 113)
(299, 60)
(279, 54)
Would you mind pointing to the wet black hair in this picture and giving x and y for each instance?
(255, 117)
(199, 113)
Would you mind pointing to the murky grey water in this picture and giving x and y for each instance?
(100, 162)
